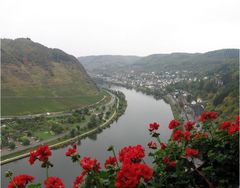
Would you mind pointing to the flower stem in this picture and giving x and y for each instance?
(114, 154)
(11, 179)
(158, 139)
(46, 172)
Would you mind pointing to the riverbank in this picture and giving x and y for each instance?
(175, 108)
(63, 141)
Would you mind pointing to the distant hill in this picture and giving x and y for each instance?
(37, 79)
(197, 62)
(107, 63)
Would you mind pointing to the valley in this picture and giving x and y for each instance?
(54, 101)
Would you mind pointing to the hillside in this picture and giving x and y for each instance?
(197, 62)
(107, 63)
(37, 79)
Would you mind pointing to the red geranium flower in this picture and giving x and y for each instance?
(89, 164)
(42, 154)
(189, 125)
(177, 135)
(153, 126)
(165, 159)
(206, 116)
(53, 182)
(196, 136)
(186, 135)
(20, 181)
(75, 146)
(172, 163)
(225, 125)
(174, 123)
(237, 120)
(79, 180)
(33, 157)
(152, 145)
(111, 161)
(202, 135)
(191, 152)
(163, 145)
(233, 128)
(130, 174)
(70, 151)
(131, 154)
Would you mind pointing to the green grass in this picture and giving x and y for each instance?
(17, 105)
(43, 135)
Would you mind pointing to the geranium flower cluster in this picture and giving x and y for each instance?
(89, 164)
(153, 126)
(230, 127)
(53, 182)
(132, 171)
(189, 125)
(20, 181)
(130, 175)
(42, 154)
(131, 154)
(173, 124)
(191, 152)
(110, 162)
(152, 145)
(166, 160)
(72, 152)
(207, 116)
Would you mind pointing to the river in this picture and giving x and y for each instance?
(130, 129)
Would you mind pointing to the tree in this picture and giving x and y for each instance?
(57, 129)
(4, 141)
(72, 133)
(72, 119)
(93, 121)
(100, 116)
(108, 114)
(11, 145)
(25, 142)
(86, 111)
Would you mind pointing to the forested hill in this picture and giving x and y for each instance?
(197, 62)
(107, 63)
(30, 70)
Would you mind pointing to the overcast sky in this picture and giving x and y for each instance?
(137, 27)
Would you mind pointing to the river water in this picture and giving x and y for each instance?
(130, 129)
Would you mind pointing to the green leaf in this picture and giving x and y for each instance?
(38, 185)
(110, 148)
